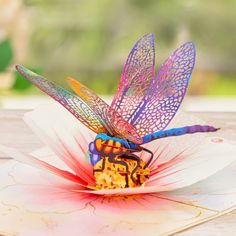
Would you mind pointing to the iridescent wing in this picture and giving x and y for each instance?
(166, 92)
(136, 78)
(114, 122)
(71, 102)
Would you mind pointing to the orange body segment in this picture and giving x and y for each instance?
(99, 144)
(117, 148)
(109, 147)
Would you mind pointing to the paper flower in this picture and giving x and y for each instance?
(174, 165)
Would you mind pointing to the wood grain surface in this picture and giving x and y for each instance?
(14, 133)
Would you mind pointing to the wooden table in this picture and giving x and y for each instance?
(15, 133)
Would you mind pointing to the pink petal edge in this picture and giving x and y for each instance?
(53, 133)
(32, 161)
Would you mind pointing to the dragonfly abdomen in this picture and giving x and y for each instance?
(178, 131)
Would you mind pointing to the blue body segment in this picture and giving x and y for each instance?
(124, 142)
(95, 157)
(93, 154)
(178, 131)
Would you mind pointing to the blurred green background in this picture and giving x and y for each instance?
(90, 40)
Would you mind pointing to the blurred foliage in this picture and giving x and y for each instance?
(6, 58)
(221, 84)
(90, 39)
(6, 53)
(21, 83)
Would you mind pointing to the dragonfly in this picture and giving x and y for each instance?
(141, 110)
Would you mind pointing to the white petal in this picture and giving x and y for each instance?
(217, 192)
(58, 129)
(205, 160)
(30, 160)
(171, 146)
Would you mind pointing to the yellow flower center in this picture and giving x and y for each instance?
(110, 175)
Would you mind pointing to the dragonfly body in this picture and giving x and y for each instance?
(116, 150)
(105, 145)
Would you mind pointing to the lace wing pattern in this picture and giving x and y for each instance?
(113, 121)
(70, 101)
(166, 92)
(136, 78)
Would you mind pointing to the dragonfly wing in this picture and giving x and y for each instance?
(114, 122)
(70, 101)
(165, 95)
(136, 78)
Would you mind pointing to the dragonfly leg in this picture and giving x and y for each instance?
(133, 157)
(112, 159)
(103, 166)
(150, 160)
